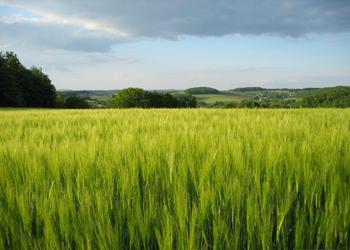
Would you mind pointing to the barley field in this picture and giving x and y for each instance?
(175, 179)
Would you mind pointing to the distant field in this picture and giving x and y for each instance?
(175, 179)
(212, 98)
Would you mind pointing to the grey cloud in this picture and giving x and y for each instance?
(94, 26)
(55, 36)
(169, 19)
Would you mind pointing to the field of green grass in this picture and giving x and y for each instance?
(213, 98)
(175, 179)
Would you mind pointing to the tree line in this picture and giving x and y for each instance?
(22, 87)
(337, 97)
(139, 98)
(334, 97)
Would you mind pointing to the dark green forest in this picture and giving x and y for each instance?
(202, 90)
(22, 87)
(139, 98)
(329, 97)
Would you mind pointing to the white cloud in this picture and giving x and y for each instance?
(49, 18)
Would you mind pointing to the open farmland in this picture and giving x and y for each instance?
(175, 179)
(224, 98)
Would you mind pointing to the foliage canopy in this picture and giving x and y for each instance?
(22, 87)
(139, 98)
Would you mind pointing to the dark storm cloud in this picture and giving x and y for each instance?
(121, 20)
(208, 18)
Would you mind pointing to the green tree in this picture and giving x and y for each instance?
(74, 102)
(139, 98)
(40, 92)
(249, 104)
(187, 101)
(7, 84)
(131, 98)
(21, 87)
(169, 101)
(338, 97)
(11, 80)
(231, 105)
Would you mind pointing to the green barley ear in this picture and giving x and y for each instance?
(174, 179)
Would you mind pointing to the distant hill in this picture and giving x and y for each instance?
(104, 93)
(202, 90)
(329, 97)
(88, 93)
(246, 89)
(208, 97)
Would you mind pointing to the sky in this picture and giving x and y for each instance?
(164, 44)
